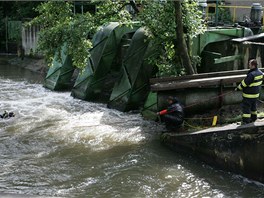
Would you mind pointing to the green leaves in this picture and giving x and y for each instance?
(54, 18)
(59, 25)
(112, 11)
(159, 18)
(192, 18)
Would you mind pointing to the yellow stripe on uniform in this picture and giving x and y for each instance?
(250, 95)
(246, 115)
(243, 83)
(255, 84)
(254, 112)
(258, 77)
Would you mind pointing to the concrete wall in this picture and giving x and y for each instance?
(30, 39)
(242, 13)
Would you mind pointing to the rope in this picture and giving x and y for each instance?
(191, 126)
(221, 95)
(208, 118)
(261, 101)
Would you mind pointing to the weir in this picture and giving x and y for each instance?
(61, 71)
(212, 47)
(96, 81)
(118, 70)
(130, 91)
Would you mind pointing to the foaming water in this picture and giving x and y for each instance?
(61, 146)
(68, 119)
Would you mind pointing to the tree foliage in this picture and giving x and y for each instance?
(159, 18)
(19, 10)
(59, 25)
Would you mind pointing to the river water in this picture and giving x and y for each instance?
(58, 146)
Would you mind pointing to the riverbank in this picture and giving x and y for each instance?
(35, 64)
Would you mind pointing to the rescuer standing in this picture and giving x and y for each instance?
(250, 87)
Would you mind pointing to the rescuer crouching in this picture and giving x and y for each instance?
(173, 116)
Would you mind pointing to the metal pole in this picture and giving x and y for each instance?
(6, 21)
(216, 13)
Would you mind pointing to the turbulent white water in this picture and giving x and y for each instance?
(61, 146)
(60, 116)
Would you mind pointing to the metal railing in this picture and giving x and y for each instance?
(234, 8)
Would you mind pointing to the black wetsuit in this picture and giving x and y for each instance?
(7, 115)
(174, 116)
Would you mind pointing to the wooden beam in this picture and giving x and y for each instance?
(198, 76)
(226, 59)
(248, 38)
(252, 43)
(194, 83)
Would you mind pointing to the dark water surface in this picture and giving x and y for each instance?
(58, 146)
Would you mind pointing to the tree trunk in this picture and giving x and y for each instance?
(181, 43)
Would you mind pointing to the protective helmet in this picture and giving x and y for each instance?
(173, 99)
(11, 114)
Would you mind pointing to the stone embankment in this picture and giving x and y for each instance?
(35, 64)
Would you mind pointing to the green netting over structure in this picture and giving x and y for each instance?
(131, 90)
(150, 108)
(61, 71)
(96, 82)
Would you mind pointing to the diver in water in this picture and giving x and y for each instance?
(6, 115)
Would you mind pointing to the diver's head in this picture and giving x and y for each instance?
(11, 114)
